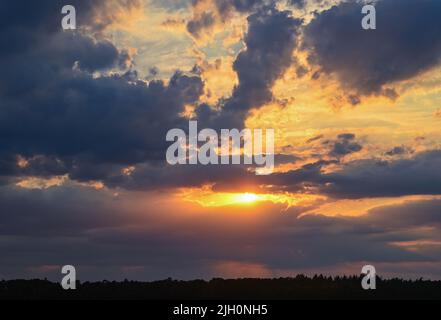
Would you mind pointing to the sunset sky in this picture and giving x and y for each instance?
(84, 116)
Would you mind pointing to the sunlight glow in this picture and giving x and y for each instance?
(207, 198)
(247, 198)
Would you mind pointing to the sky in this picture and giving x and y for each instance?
(84, 115)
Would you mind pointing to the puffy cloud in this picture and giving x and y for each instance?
(45, 15)
(87, 120)
(399, 151)
(79, 119)
(204, 21)
(65, 112)
(373, 178)
(367, 62)
(270, 41)
(298, 3)
(207, 13)
(344, 145)
(368, 178)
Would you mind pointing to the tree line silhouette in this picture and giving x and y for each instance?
(300, 287)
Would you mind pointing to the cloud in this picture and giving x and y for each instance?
(368, 62)
(411, 214)
(172, 5)
(378, 178)
(298, 3)
(45, 16)
(85, 120)
(371, 178)
(81, 111)
(316, 138)
(207, 13)
(270, 41)
(204, 21)
(344, 145)
(367, 178)
(399, 151)
(85, 115)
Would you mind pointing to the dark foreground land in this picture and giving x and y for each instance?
(217, 289)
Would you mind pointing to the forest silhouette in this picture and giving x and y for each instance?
(298, 288)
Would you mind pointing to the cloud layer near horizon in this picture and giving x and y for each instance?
(99, 235)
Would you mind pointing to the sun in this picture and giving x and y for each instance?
(247, 198)
(206, 197)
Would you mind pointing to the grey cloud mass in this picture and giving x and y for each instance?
(270, 41)
(370, 62)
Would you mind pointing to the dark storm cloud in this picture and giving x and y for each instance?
(150, 176)
(43, 166)
(407, 42)
(371, 178)
(405, 216)
(157, 176)
(271, 38)
(225, 9)
(64, 120)
(368, 178)
(45, 15)
(97, 120)
(26, 27)
(65, 211)
(34, 50)
(270, 42)
(299, 179)
(90, 128)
